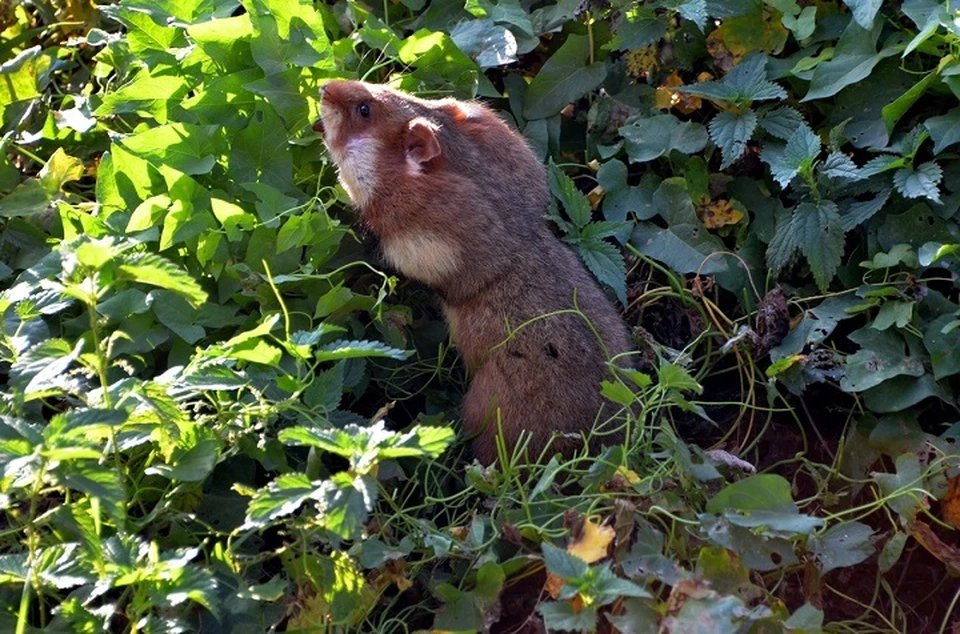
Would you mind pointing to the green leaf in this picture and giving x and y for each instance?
(899, 313)
(564, 78)
(853, 60)
(814, 230)
(20, 77)
(839, 165)
(149, 268)
(193, 459)
(795, 157)
(762, 500)
(802, 25)
(343, 349)
(559, 616)
(944, 130)
(639, 27)
(281, 497)
(942, 346)
(685, 244)
(648, 138)
(746, 82)
(487, 43)
(146, 95)
(782, 122)
(855, 213)
(563, 564)
(864, 12)
(672, 377)
(883, 355)
(96, 481)
(921, 182)
(184, 147)
(731, 132)
(903, 491)
(606, 263)
(345, 501)
(842, 545)
(575, 203)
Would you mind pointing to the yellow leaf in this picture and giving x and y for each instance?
(667, 97)
(950, 507)
(720, 213)
(593, 542)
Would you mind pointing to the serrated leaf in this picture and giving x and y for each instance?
(797, 155)
(839, 165)
(575, 203)
(746, 82)
(564, 78)
(606, 263)
(563, 564)
(921, 182)
(149, 268)
(816, 231)
(782, 122)
(344, 349)
(730, 132)
(281, 497)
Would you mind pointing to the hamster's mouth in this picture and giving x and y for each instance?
(318, 125)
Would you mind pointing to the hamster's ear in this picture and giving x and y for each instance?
(422, 142)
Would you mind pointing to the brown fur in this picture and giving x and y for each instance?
(457, 200)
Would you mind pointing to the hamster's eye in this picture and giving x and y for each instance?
(364, 110)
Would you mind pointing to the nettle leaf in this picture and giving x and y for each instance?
(563, 564)
(606, 263)
(816, 231)
(782, 122)
(731, 132)
(746, 82)
(281, 497)
(795, 157)
(853, 60)
(564, 78)
(343, 349)
(152, 269)
(345, 501)
(921, 182)
(575, 203)
(693, 10)
(648, 138)
(839, 165)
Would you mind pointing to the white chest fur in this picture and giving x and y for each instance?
(422, 256)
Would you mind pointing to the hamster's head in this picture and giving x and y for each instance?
(379, 137)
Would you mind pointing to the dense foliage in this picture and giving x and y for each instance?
(221, 412)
